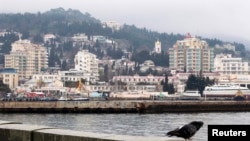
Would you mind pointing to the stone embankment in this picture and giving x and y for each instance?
(15, 131)
(122, 106)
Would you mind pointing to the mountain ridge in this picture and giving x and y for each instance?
(69, 22)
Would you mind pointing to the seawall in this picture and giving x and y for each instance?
(15, 131)
(122, 106)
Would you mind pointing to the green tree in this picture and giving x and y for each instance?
(7, 40)
(52, 57)
(64, 65)
(171, 88)
(165, 84)
(38, 38)
(198, 82)
(3, 87)
(191, 83)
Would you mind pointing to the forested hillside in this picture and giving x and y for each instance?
(66, 23)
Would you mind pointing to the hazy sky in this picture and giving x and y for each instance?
(228, 20)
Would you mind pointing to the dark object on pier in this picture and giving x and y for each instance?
(186, 131)
(239, 96)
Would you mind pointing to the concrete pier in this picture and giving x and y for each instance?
(14, 131)
(122, 106)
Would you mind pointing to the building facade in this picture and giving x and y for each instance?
(226, 64)
(115, 26)
(87, 63)
(27, 58)
(150, 79)
(191, 55)
(9, 77)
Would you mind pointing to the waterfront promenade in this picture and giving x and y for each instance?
(123, 106)
(15, 131)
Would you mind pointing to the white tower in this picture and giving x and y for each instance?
(157, 48)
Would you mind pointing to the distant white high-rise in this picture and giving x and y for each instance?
(88, 63)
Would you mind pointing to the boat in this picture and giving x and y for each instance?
(190, 95)
(225, 90)
(80, 99)
(62, 99)
(73, 99)
(131, 95)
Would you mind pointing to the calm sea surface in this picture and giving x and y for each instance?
(130, 124)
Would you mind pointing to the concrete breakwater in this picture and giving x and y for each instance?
(15, 131)
(122, 106)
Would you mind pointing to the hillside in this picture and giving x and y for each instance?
(65, 23)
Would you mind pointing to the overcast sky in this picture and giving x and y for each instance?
(228, 20)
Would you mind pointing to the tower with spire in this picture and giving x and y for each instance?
(157, 48)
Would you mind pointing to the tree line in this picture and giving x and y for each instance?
(198, 82)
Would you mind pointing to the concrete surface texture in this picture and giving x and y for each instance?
(15, 131)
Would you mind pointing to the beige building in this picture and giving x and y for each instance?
(191, 55)
(27, 58)
(9, 77)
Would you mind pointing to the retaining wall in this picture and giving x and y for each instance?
(123, 106)
(14, 131)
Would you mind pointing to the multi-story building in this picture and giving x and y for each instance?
(87, 63)
(191, 55)
(226, 46)
(115, 26)
(80, 39)
(226, 64)
(9, 77)
(76, 75)
(27, 58)
(49, 38)
(150, 79)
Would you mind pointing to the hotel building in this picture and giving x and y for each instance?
(191, 55)
(27, 58)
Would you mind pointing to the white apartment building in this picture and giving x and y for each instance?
(49, 38)
(76, 75)
(88, 64)
(46, 77)
(80, 39)
(113, 25)
(226, 46)
(27, 58)
(226, 64)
